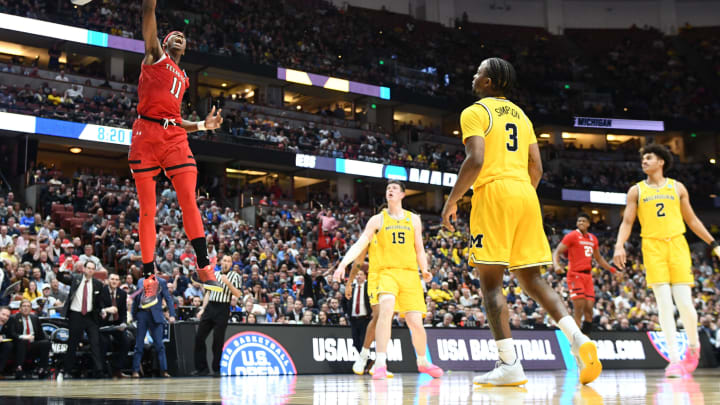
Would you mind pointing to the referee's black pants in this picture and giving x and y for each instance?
(214, 318)
(358, 327)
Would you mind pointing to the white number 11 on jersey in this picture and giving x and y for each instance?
(176, 83)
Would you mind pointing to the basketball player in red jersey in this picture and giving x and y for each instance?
(581, 247)
(159, 142)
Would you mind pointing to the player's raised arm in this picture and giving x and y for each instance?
(619, 258)
(358, 247)
(693, 221)
(153, 50)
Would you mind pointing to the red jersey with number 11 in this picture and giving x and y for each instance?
(161, 89)
(580, 250)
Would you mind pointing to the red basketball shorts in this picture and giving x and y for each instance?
(581, 286)
(154, 148)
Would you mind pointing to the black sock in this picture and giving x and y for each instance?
(586, 327)
(148, 269)
(200, 246)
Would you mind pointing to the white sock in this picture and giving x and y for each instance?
(569, 328)
(506, 350)
(666, 315)
(380, 360)
(688, 315)
(422, 361)
(364, 353)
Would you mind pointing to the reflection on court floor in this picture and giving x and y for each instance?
(613, 387)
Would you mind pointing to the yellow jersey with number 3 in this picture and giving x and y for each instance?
(508, 135)
(659, 210)
(394, 244)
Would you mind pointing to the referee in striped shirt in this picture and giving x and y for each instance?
(215, 316)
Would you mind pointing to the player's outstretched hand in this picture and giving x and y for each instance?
(619, 258)
(449, 215)
(427, 276)
(339, 274)
(214, 119)
(716, 250)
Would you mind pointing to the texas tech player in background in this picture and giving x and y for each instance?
(581, 247)
(159, 142)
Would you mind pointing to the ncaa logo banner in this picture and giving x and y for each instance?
(255, 353)
(660, 344)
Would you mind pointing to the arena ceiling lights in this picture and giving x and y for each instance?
(332, 83)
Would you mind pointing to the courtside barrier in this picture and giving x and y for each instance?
(282, 349)
(298, 349)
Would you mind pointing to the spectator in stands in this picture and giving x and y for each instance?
(133, 257)
(438, 295)
(5, 239)
(74, 93)
(8, 254)
(194, 290)
(88, 256)
(61, 76)
(58, 293)
(447, 321)
(30, 341)
(6, 345)
(31, 293)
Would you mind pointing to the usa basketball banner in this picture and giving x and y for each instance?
(286, 350)
(475, 349)
(299, 349)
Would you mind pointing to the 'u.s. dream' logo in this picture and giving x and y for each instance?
(254, 353)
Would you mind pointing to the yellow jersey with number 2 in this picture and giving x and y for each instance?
(659, 210)
(508, 135)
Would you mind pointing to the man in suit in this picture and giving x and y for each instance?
(6, 343)
(152, 320)
(30, 340)
(116, 322)
(84, 308)
(296, 313)
(357, 305)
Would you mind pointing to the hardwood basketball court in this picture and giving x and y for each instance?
(551, 387)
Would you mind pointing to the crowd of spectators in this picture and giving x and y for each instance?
(104, 107)
(643, 73)
(648, 76)
(304, 137)
(286, 258)
(573, 168)
(243, 125)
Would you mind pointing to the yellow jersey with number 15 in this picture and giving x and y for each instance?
(394, 244)
(659, 211)
(508, 135)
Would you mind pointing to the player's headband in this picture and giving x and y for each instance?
(168, 36)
